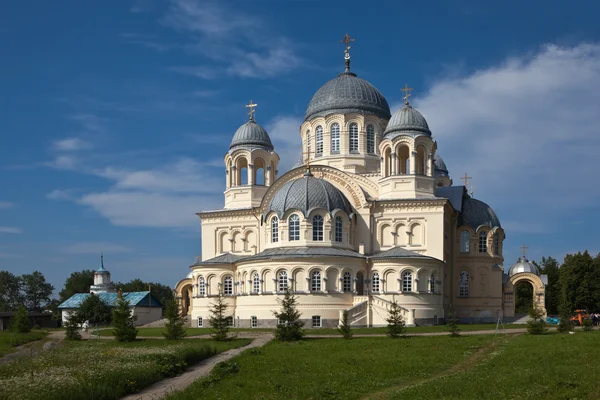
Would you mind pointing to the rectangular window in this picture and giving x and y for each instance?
(230, 322)
(370, 139)
(253, 322)
(316, 321)
(200, 322)
(353, 138)
(335, 138)
(319, 141)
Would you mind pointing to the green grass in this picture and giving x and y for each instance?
(551, 366)
(157, 332)
(10, 340)
(99, 369)
(332, 368)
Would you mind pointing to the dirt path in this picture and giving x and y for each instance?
(485, 353)
(168, 386)
(31, 349)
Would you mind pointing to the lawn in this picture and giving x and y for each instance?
(97, 369)
(157, 332)
(333, 368)
(9, 340)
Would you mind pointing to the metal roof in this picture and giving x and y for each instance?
(303, 252)
(453, 193)
(523, 265)
(226, 258)
(400, 252)
(440, 168)
(251, 134)
(135, 299)
(475, 213)
(407, 119)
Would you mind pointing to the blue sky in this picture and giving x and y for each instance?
(114, 118)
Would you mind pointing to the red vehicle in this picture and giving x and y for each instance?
(578, 317)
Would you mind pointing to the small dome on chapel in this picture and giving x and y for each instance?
(439, 166)
(476, 213)
(407, 120)
(251, 134)
(523, 265)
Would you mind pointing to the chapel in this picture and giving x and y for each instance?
(370, 216)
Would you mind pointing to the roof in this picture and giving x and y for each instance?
(400, 252)
(523, 265)
(135, 299)
(303, 252)
(226, 258)
(453, 193)
(440, 168)
(407, 119)
(307, 193)
(347, 94)
(476, 213)
(251, 134)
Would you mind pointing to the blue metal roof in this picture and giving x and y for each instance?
(135, 299)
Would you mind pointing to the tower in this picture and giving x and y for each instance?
(251, 164)
(102, 282)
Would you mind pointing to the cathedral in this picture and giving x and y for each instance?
(371, 216)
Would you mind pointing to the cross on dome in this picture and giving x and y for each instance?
(347, 40)
(252, 110)
(466, 179)
(407, 94)
(524, 251)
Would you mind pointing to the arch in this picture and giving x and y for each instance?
(241, 169)
(282, 281)
(319, 141)
(483, 245)
(274, 229)
(315, 280)
(228, 285)
(334, 132)
(267, 280)
(390, 282)
(370, 139)
(237, 244)
(338, 229)
(464, 282)
(376, 283)
(360, 283)
(403, 155)
(249, 240)
(387, 162)
(272, 173)
(259, 171)
(212, 285)
(201, 286)
(255, 282)
(294, 227)
(387, 238)
(465, 241)
(224, 242)
(347, 282)
(299, 281)
(510, 292)
(401, 235)
(420, 162)
(353, 136)
(407, 281)
(317, 228)
(229, 174)
(431, 286)
(332, 279)
(416, 234)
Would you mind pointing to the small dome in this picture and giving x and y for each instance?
(190, 275)
(476, 213)
(523, 265)
(251, 134)
(407, 119)
(440, 168)
(307, 193)
(347, 94)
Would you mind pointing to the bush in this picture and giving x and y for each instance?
(175, 326)
(396, 324)
(452, 323)
(536, 325)
(169, 364)
(20, 322)
(587, 325)
(564, 322)
(123, 322)
(289, 326)
(344, 328)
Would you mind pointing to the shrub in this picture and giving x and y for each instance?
(94, 310)
(219, 322)
(587, 325)
(225, 368)
(20, 322)
(452, 323)
(396, 324)
(175, 325)
(564, 322)
(123, 322)
(344, 328)
(536, 325)
(289, 326)
(72, 327)
(169, 364)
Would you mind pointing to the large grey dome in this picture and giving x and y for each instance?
(409, 120)
(523, 265)
(306, 193)
(440, 168)
(347, 94)
(251, 134)
(476, 213)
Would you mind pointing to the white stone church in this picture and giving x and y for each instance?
(370, 217)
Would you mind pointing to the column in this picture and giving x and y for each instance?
(413, 163)
(394, 166)
(250, 174)
(268, 176)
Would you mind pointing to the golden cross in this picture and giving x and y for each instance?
(252, 111)
(524, 251)
(347, 40)
(406, 91)
(307, 153)
(466, 179)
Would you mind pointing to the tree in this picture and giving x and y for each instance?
(123, 321)
(161, 292)
(564, 322)
(36, 290)
(71, 326)
(289, 326)
(77, 282)
(94, 310)
(580, 281)
(550, 267)
(536, 325)
(524, 297)
(20, 322)
(452, 323)
(396, 325)
(219, 322)
(175, 322)
(10, 291)
(344, 328)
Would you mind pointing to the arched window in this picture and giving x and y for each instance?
(339, 225)
(315, 281)
(317, 224)
(370, 139)
(335, 138)
(308, 146)
(319, 141)
(376, 281)
(465, 238)
(256, 283)
(228, 286)
(354, 137)
(294, 227)
(464, 284)
(275, 230)
(497, 243)
(483, 242)
(201, 286)
(282, 281)
(407, 281)
(347, 283)
(432, 283)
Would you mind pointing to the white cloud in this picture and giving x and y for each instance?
(71, 144)
(526, 130)
(59, 194)
(90, 122)
(6, 205)
(95, 248)
(64, 162)
(285, 135)
(10, 229)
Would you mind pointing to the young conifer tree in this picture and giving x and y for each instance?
(175, 322)
(536, 325)
(123, 322)
(344, 328)
(20, 322)
(219, 322)
(564, 321)
(289, 326)
(396, 324)
(452, 323)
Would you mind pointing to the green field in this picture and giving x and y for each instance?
(157, 332)
(551, 366)
(97, 369)
(9, 340)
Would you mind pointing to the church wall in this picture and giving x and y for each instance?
(238, 234)
(146, 315)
